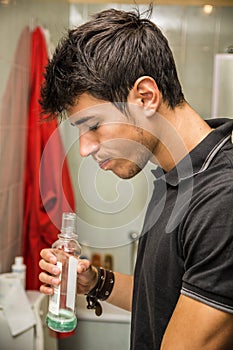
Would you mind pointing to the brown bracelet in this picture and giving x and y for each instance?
(101, 290)
(107, 286)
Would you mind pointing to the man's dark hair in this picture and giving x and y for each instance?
(105, 56)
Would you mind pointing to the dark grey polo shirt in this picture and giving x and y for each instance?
(187, 241)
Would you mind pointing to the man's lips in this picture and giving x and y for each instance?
(103, 164)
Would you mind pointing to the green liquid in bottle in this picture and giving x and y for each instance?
(66, 321)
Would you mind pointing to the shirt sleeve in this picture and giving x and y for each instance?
(208, 246)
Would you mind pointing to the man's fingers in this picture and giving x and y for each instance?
(47, 254)
(45, 289)
(83, 265)
(49, 279)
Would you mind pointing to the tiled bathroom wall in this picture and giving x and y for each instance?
(194, 36)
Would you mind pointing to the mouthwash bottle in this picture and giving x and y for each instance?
(61, 316)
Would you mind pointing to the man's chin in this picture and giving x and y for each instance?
(126, 174)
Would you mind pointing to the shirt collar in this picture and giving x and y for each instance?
(201, 156)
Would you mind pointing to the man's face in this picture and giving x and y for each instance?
(115, 141)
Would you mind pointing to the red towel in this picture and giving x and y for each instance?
(48, 189)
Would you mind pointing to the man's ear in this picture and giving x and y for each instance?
(145, 93)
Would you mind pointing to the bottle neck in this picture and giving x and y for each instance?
(67, 236)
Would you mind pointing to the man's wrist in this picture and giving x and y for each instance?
(101, 290)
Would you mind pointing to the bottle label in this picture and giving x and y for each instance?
(54, 300)
(71, 284)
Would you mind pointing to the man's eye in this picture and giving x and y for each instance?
(94, 127)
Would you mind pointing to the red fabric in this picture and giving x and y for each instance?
(48, 189)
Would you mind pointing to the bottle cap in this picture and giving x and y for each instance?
(18, 260)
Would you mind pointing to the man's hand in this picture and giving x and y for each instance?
(87, 274)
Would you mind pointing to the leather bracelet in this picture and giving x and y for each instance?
(101, 290)
(107, 286)
(99, 283)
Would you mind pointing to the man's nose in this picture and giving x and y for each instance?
(88, 144)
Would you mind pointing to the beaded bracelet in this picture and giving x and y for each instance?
(101, 291)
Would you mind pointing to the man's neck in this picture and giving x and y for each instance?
(179, 131)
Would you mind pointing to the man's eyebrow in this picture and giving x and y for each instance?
(81, 121)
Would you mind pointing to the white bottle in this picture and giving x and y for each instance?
(19, 269)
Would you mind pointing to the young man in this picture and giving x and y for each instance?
(116, 79)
